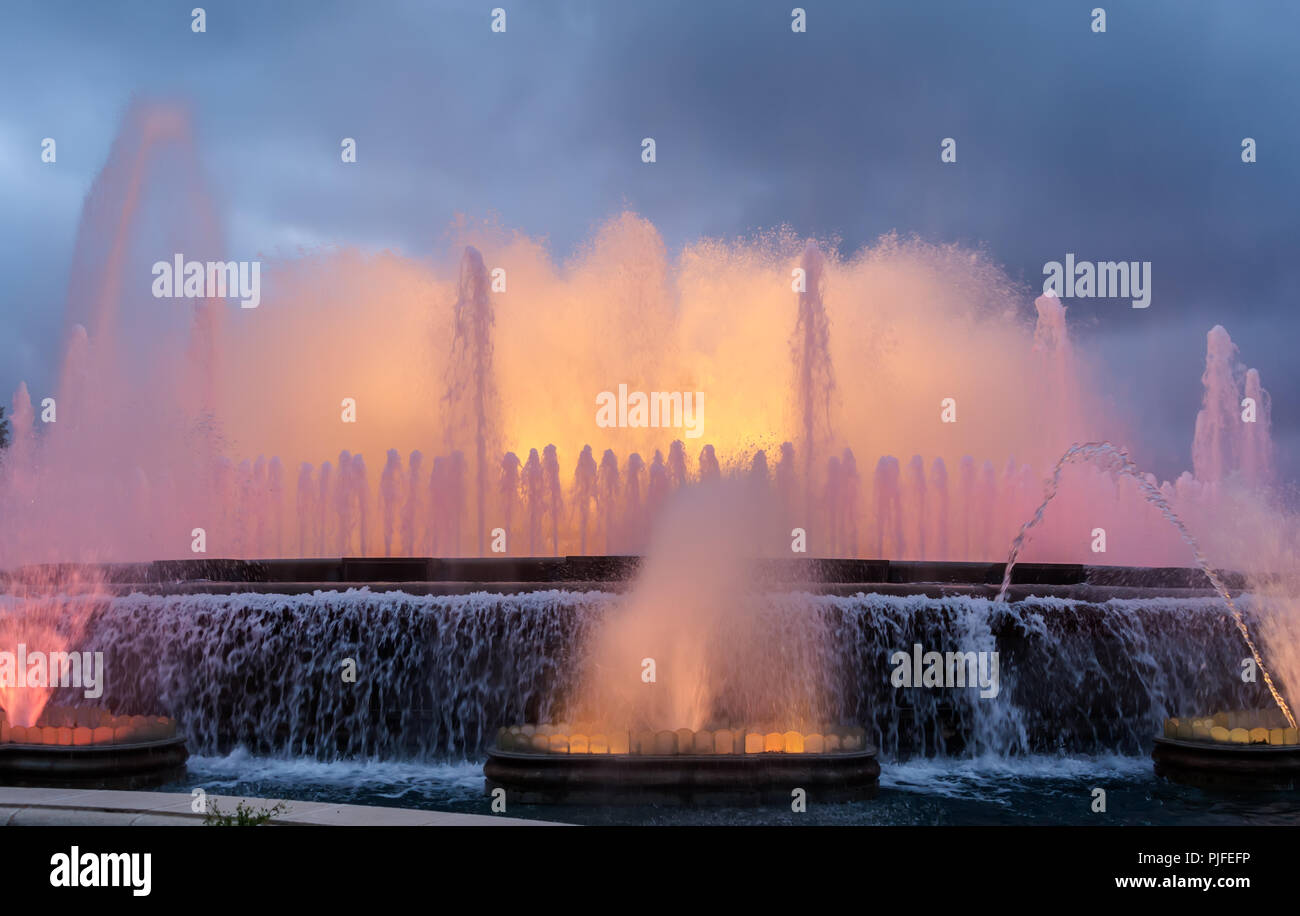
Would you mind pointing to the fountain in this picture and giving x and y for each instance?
(544, 764)
(691, 693)
(831, 512)
(44, 615)
(1243, 749)
(85, 748)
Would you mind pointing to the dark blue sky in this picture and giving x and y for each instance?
(1124, 145)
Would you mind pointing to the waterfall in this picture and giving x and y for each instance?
(436, 676)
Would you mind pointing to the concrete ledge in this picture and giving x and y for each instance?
(524, 573)
(81, 807)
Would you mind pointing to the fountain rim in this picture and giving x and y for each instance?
(868, 752)
(1229, 749)
(593, 571)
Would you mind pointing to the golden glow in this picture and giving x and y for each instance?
(825, 739)
(1250, 726)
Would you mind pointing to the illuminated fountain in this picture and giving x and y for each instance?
(826, 390)
(545, 764)
(43, 619)
(827, 379)
(694, 690)
(91, 748)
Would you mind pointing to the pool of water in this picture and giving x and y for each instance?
(932, 791)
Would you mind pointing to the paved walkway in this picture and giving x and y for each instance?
(96, 807)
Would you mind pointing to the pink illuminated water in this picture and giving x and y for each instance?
(174, 417)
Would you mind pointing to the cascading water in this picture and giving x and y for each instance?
(437, 675)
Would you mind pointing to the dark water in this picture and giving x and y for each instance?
(930, 792)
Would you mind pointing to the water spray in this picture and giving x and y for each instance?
(1115, 459)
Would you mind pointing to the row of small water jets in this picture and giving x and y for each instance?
(421, 507)
(64, 507)
(441, 673)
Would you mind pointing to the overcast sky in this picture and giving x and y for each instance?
(1123, 145)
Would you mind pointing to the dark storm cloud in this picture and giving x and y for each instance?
(1117, 146)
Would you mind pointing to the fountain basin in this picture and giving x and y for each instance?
(1252, 749)
(123, 752)
(717, 767)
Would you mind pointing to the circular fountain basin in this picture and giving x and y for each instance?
(725, 766)
(91, 749)
(1237, 750)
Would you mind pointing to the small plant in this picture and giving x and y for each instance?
(244, 815)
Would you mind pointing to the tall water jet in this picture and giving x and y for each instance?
(471, 386)
(344, 490)
(607, 492)
(554, 494)
(22, 441)
(306, 509)
(889, 508)
(440, 507)
(659, 486)
(361, 491)
(831, 511)
(390, 494)
(584, 492)
(986, 503)
(456, 499)
(814, 375)
(275, 493)
(1213, 445)
(323, 509)
(939, 484)
(1257, 439)
(413, 508)
(258, 507)
(787, 477)
(967, 496)
(1056, 370)
(709, 467)
(535, 500)
(509, 491)
(850, 486)
(916, 494)
(677, 472)
(632, 512)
